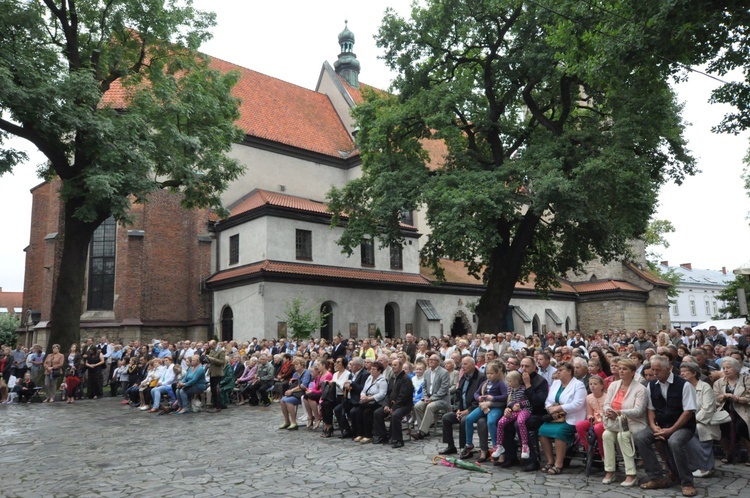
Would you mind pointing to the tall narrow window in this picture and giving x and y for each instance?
(692, 307)
(101, 288)
(304, 244)
(397, 257)
(234, 249)
(708, 307)
(368, 253)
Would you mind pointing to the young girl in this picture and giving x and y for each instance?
(594, 414)
(491, 393)
(518, 408)
(121, 375)
(70, 385)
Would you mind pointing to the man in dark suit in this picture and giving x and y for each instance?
(536, 391)
(581, 372)
(352, 388)
(470, 381)
(339, 348)
(400, 401)
(411, 348)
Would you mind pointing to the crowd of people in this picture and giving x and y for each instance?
(665, 396)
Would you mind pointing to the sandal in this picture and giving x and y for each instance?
(545, 468)
(553, 471)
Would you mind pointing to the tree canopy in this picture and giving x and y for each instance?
(116, 96)
(557, 140)
(729, 296)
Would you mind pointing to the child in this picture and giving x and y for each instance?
(70, 385)
(130, 371)
(120, 377)
(519, 409)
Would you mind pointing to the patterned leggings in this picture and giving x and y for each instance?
(522, 416)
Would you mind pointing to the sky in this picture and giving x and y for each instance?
(290, 39)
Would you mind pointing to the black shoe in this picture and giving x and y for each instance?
(397, 444)
(345, 435)
(448, 450)
(508, 463)
(466, 452)
(417, 436)
(380, 440)
(531, 467)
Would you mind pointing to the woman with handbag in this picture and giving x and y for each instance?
(624, 415)
(53, 364)
(566, 406)
(333, 394)
(733, 395)
(293, 395)
(702, 444)
(311, 400)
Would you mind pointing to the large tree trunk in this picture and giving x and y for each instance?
(503, 271)
(68, 287)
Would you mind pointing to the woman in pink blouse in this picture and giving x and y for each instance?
(320, 375)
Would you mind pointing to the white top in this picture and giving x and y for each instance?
(689, 402)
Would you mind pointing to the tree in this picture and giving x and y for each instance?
(729, 296)
(555, 150)
(303, 321)
(121, 104)
(654, 236)
(8, 325)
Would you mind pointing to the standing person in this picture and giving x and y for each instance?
(411, 348)
(217, 358)
(671, 418)
(94, 364)
(37, 365)
(399, 403)
(19, 362)
(53, 370)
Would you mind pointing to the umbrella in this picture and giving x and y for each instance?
(457, 462)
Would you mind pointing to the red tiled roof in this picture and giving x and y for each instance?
(456, 273)
(259, 198)
(278, 267)
(356, 93)
(11, 300)
(647, 274)
(606, 286)
(276, 110)
(282, 112)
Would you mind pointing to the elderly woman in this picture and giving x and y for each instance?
(628, 400)
(293, 395)
(340, 377)
(246, 381)
(702, 444)
(194, 382)
(372, 395)
(53, 370)
(733, 395)
(566, 405)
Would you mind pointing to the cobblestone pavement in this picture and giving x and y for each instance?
(98, 447)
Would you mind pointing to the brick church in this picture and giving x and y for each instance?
(176, 273)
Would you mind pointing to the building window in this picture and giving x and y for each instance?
(304, 244)
(716, 311)
(675, 310)
(234, 249)
(708, 308)
(397, 259)
(368, 252)
(101, 285)
(407, 217)
(693, 311)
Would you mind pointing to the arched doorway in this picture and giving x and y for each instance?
(227, 324)
(392, 322)
(461, 325)
(567, 325)
(326, 331)
(536, 325)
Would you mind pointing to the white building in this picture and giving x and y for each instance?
(697, 301)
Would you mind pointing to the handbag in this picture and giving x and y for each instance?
(720, 417)
(617, 424)
(329, 392)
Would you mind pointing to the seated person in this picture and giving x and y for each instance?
(468, 385)
(399, 403)
(70, 384)
(25, 388)
(194, 382)
(164, 383)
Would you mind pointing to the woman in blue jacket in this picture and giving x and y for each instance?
(194, 382)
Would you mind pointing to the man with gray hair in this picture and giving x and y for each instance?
(671, 420)
(435, 398)
(581, 372)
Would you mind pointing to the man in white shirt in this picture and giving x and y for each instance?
(546, 370)
(163, 386)
(671, 418)
(436, 396)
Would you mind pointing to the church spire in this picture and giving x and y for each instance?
(347, 64)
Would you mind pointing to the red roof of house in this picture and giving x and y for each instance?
(606, 286)
(11, 301)
(259, 198)
(279, 267)
(647, 274)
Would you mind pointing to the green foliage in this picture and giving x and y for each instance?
(8, 325)
(302, 321)
(555, 149)
(729, 296)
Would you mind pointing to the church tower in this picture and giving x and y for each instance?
(347, 64)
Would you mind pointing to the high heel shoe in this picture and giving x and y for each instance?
(327, 432)
(316, 425)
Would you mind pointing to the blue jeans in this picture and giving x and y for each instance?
(157, 392)
(185, 392)
(492, 417)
